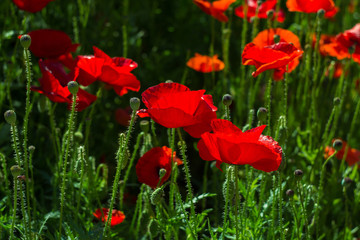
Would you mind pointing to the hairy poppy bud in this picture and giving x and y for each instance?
(290, 193)
(134, 103)
(321, 13)
(337, 144)
(337, 101)
(42, 103)
(144, 126)
(298, 173)
(231, 189)
(169, 81)
(15, 171)
(262, 114)
(270, 14)
(162, 172)
(276, 38)
(153, 228)
(156, 196)
(10, 117)
(73, 87)
(227, 99)
(346, 181)
(25, 41)
(78, 136)
(31, 148)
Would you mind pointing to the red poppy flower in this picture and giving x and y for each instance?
(116, 218)
(340, 46)
(215, 8)
(230, 145)
(123, 116)
(173, 105)
(276, 56)
(263, 9)
(53, 84)
(149, 165)
(53, 44)
(115, 72)
(309, 6)
(31, 5)
(352, 157)
(205, 64)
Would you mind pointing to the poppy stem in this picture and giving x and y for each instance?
(5, 177)
(69, 138)
(172, 177)
(227, 198)
(124, 28)
(81, 157)
(14, 209)
(305, 216)
(237, 203)
(268, 103)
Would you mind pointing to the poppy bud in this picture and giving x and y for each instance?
(290, 193)
(169, 81)
(337, 144)
(31, 148)
(144, 126)
(227, 99)
(78, 136)
(42, 103)
(276, 38)
(337, 101)
(10, 117)
(262, 114)
(153, 228)
(15, 171)
(270, 14)
(25, 41)
(162, 172)
(298, 173)
(352, 49)
(321, 13)
(134, 103)
(156, 196)
(346, 181)
(73, 87)
(226, 33)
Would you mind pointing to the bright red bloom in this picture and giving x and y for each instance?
(53, 44)
(230, 145)
(310, 6)
(53, 84)
(31, 5)
(352, 157)
(173, 105)
(149, 165)
(215, 8)
(116, 218)
(205, 64)
(263, 9)
(340, 46)
(276, 56)
(115, 72)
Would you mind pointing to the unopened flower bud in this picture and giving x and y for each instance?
(156, 196)
(262, 114)
(352, 49)
(144, 126)
(290, 193)
(169, 81)
(162, 172)
(15, 171)
(31, 148)
(346, 181)
(10, 117)
(227, 99)
(298, 173)
(337, 144)
(134, 103)
(270, 14)
(25, 41)
(153, 228)
(73, 87)
(78, 136)
(337, 101)
(321, 13)
(276, 38)
(42, 103)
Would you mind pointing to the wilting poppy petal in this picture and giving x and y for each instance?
(205, 64)
(31, 5)
(117, 216)
(149, 165)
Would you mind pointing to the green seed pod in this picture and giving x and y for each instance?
(157, 196)
(134, 103)
(78, 136)
(169, 81)
(25, 41)
(73, 87)
(144, 126)
(337, 144)
(153, 228)
(262, 114)
(10, 117)
(290, 193)
(31, 148)
(337, 101)
(321, 13)
(162, 172)
(270, 14)
(298, 173)
(276, 38)
(227, 99)
(42, 104)
(16, 171)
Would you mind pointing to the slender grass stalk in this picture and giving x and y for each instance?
(69, 137)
